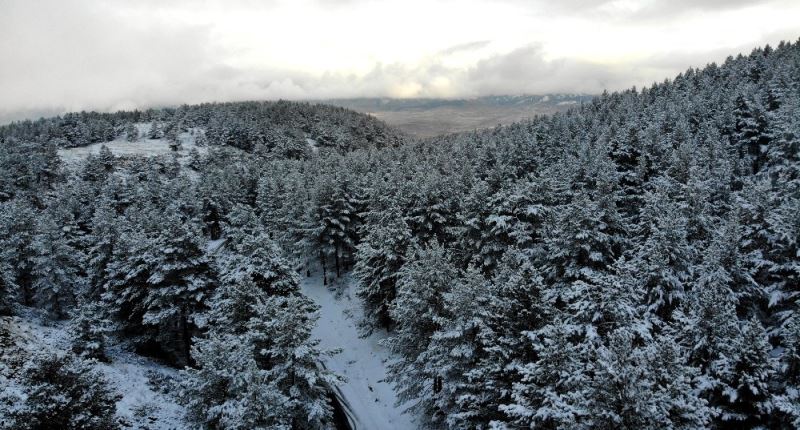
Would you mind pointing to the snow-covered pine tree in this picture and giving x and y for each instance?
(131, 133)
(432, 211)
(16, 247)
(288, 213)
(158, 279)
(252, 256)
(421, 284)
(89, 329)
(661, 262)
(455, 352)
(8, 290)
(257, 367)
(60, 391)
(338, 220)
(155, 131)
(180, 279)
(787, 403)
(643, 387)
(734, 357)
(551, 390)
(515, 308)
(56, 270)
(379, 257)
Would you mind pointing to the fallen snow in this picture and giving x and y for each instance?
(142, 147)
(142, 406)
(313, 145)
(135, 378)
(214, 245)
(362, 360)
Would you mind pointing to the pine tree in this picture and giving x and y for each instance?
(516, 308)
(661, 263)
(646, 387)
(131, 133)
(158, 280)
(422, 282)
(89, 328)
(155, 131)
(380, 256)
(63, 392)
(57, 278)
(180, 278)
(257, 367)
(733, 356)
(253, 256)
(787, 403)
(337, 221)
(748, 372)
(551, 391)
(16, 247)
(8, 291)
(455, 353)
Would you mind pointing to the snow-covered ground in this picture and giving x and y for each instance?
(140, 381)
(143, 147)
(362, 360)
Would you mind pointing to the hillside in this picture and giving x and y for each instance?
(281, 127)
(629, 263)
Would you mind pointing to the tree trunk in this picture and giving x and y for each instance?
(338, 274)
(187, 341)
(324, 268)
(25, 284)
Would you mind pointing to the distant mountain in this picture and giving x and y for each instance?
(426, 117)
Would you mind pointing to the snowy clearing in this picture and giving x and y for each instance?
(142, 147)
(362, 360)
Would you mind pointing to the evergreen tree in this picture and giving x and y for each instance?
(16, 248)
(131, 133)
(89, 328)
(422, 282)
(253, 256)
(787, 403)
(257, 367)
(158, 281)
(57, 279)
(379, 258)
(63, 392)
(661, 263)
(455, 353)
(180, 278)
(155, 131)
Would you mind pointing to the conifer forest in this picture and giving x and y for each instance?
(632, 262)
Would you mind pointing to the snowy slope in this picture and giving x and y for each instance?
(140, 381)
(362, 360)
(143, 147)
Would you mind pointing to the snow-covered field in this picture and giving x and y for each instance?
(362, 360)
(143, 146)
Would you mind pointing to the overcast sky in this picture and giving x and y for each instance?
(62, 55)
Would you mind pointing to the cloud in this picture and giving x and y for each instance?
(69, 55)
(469, 46)
(641, 9)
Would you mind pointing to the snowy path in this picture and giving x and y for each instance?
(362, 360)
